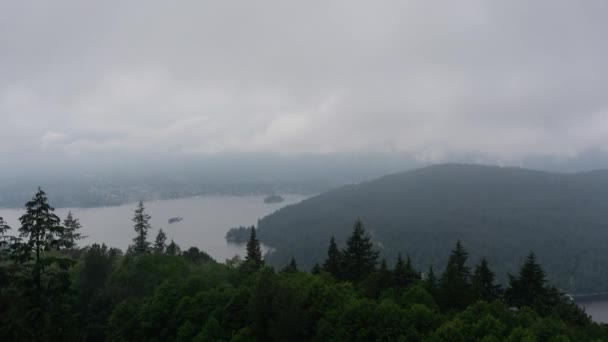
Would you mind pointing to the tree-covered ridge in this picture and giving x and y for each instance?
(61, 292)
(502, 213)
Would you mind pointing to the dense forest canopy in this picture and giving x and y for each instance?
(53, 290)
(502, 214)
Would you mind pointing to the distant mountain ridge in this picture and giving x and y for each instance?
(498, 212)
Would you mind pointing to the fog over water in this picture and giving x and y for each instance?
(206, 221)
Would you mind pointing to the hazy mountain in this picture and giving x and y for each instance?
(500, 213)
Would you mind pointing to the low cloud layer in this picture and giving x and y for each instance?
(505, 80)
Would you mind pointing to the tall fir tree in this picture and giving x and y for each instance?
(254, 258)
(333, 262)
(400, 272)
(528, 288)
(4, 237)
(71, 232)
(5, 241)
(455, 286)
(385, 278)
(404, 273)
(483, 282)
(292, 267)
(359, 258)
(430, 282)
(141, 226)
(160, 243)
(173, 249)
(48, 279)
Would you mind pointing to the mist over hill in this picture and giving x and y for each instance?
(502, 213)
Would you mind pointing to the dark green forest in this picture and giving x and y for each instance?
(501, 214)
(51, 289)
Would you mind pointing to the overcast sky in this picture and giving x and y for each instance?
(502, 79)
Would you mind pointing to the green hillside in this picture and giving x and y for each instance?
(502, 213)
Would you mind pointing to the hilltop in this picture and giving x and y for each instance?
(502, 213)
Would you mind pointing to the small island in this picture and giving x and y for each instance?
(274, 199)
(238, 235)
(175, 219)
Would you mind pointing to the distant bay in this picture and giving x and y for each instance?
(206, 219)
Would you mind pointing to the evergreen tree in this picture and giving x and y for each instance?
(455, 286)
(5, 241)
(71, 232)
(413, 275)
(4, 238)
(405, 274)
(483, 284)
(400, 272)
(254, 258)
(359, 258)
(48, 279)
(316, 269)
(430, 282)
(334, 259)
(141, 227)
(194, 255)
(160, 242)
(173, 249)
(529, 287)
(292, 267)
(385, 276)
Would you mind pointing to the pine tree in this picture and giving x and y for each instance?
(40, 231)
(385, 276)
(71, 233)
(292, 267)
(334, 259)
(173, 249)
(160, 242)
(400, 272)
(141, 227)
(316, 269)
(529, 287)
(405, 274)
(254, 258)
(483, 284)
(5, 241)
(430, 282)
(413, 275)
(4, 238)
(359, 258)
(455, 286)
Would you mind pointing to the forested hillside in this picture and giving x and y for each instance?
(53, 290)
(502, 214)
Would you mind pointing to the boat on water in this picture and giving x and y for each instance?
(175, 219)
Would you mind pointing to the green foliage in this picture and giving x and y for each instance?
(404, 272)
(160, 242)
(70, 233)
(190, 297)
(254, 259)
(194, 255)
(483, 282)
(359, 257)
(292, 267)
(501, 213)
(455, 286)
(333, 263)
(529, 287)
(141, 227)
(173, 249)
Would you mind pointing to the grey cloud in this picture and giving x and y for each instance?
(505, 80)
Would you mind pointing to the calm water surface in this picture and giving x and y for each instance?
(597, 309)
(206, 221)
